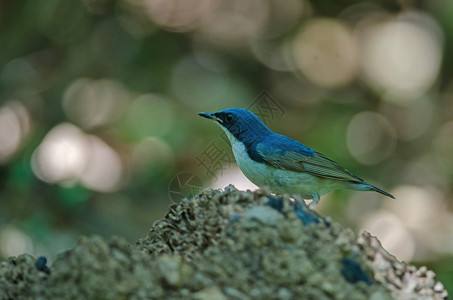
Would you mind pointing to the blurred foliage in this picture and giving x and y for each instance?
(98, 103)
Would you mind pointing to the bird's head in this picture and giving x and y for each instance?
(241, 123)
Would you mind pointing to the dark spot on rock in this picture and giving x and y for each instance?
(276, 203)
(41, 264)
(353, 272)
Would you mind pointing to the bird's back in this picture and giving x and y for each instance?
(285, 153)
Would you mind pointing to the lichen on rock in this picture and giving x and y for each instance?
(226, 245)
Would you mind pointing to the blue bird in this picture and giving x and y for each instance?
(282, 164)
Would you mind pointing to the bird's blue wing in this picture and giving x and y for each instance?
(283, 143)
(294, 156)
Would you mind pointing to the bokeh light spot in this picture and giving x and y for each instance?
(402, 56)
(14, 128)
(179, 15)
(68, 155)
(370, 137)
(92, 103)
(61, 155)
(234, 22)
(103, 168)
(326, 52)
(14, 242)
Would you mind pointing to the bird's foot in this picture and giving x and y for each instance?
(303, 212)
(315, 201)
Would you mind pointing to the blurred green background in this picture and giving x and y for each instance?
(98, 102)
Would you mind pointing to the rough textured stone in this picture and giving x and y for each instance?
(404, 281)
(20, 279)
(226, 245)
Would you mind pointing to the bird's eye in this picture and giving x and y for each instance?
(228, 117)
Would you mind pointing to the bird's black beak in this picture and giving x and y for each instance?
(210, 116)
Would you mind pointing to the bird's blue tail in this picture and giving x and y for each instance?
(363, 186)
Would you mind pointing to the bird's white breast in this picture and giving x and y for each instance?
(278, 180)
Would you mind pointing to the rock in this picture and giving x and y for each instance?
(261, 215)
(174, 271)
(210, 293)
(403, 281)
(19, 278)
(225, 245)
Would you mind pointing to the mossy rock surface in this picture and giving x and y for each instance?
(225, 245)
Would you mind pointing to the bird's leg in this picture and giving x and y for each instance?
(298, 200)
(303, 212)
(315, 201)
